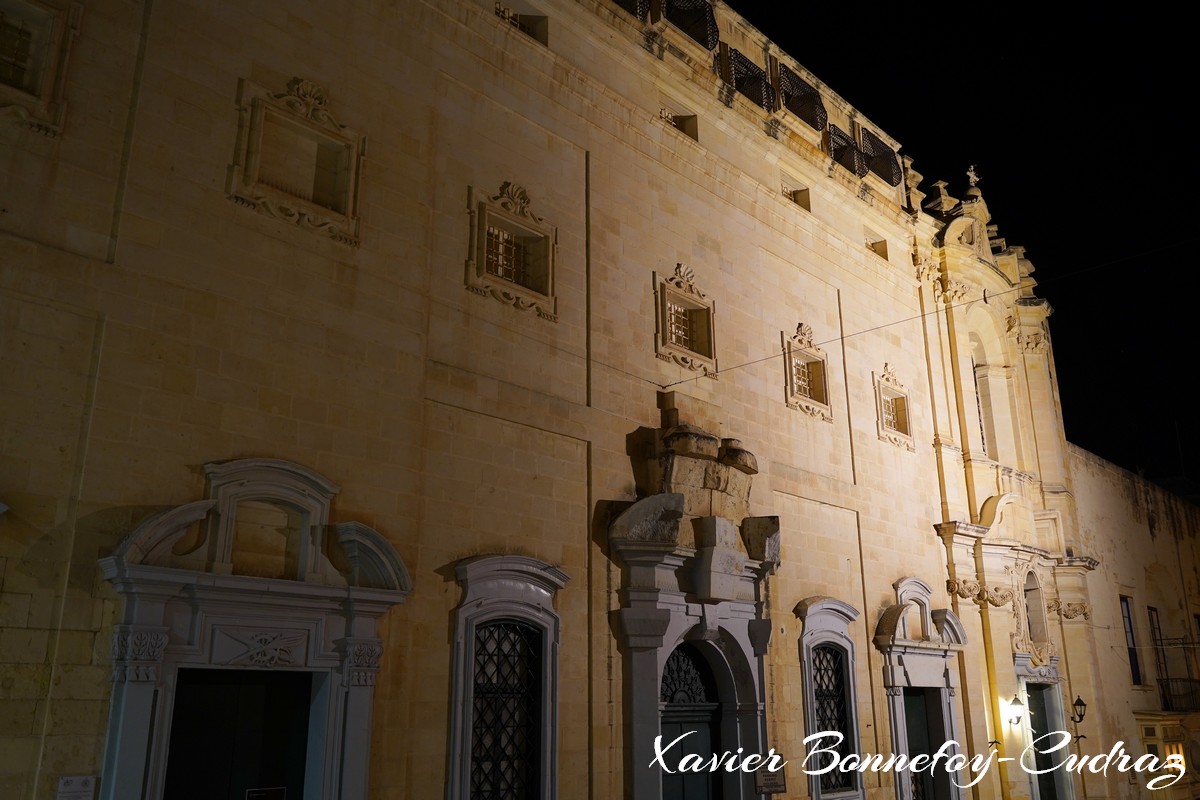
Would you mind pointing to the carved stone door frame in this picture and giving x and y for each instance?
(182, 614)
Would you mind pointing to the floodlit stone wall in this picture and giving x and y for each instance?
(237, 231)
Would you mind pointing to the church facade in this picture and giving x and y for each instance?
(450, 398)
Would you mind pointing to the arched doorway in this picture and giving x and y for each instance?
(690, 709)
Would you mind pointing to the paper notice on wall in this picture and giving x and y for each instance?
(76, 787)
(767, 782)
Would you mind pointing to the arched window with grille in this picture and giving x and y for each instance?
(827, 654)
(503, 731)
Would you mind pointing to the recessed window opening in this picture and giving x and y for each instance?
(688, 327)
(535, 26)
(297, 161)
(895, 415)
(877, 244)
(1135, 668)
(796, 191)
(1035, 610)
(517, 255)
(266, 540)
(682, 121)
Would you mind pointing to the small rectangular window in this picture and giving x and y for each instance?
(805, 381)
(684, 318)
(797, 192)
(683, 121)
(877, 244)
(535, 26)
(512, 251)
(895, 416)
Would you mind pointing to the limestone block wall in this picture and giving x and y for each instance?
(1144, 539)
(152, 325)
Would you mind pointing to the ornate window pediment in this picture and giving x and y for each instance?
(295, 161)
(806, 378)
(685, 322)
(512, 251)
(892, 409)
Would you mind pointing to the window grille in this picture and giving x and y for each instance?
(696, 19)
(808, 379)
(880, 158)
(751, 80)
(846, 152)
(830, 696)
(508, 257)
(680, 321)
(893, 415)
(506, 706)
(802, 377)
(638, 8)
(686, 679)
(800, 98)
(16, 52)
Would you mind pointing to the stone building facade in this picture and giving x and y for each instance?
(436, 398)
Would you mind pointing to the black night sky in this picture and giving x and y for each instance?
(1076, 124)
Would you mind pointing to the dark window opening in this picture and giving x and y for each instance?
(696, 19)
(1130, 642)
(507, 713)
(831, 700)
(801, 99)
(751, 80)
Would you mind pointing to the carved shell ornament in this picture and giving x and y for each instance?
(684, 279)
(889, 376)
(515, 199)
(804, 335)
(308, 99)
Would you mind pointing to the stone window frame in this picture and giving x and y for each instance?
(302, 109)
(188, 611)
(889, 390)
(503, 587)
(510, 209)
(679, 290)
(799, 347)
(40, 104)
(796, 191)
(827, 623)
